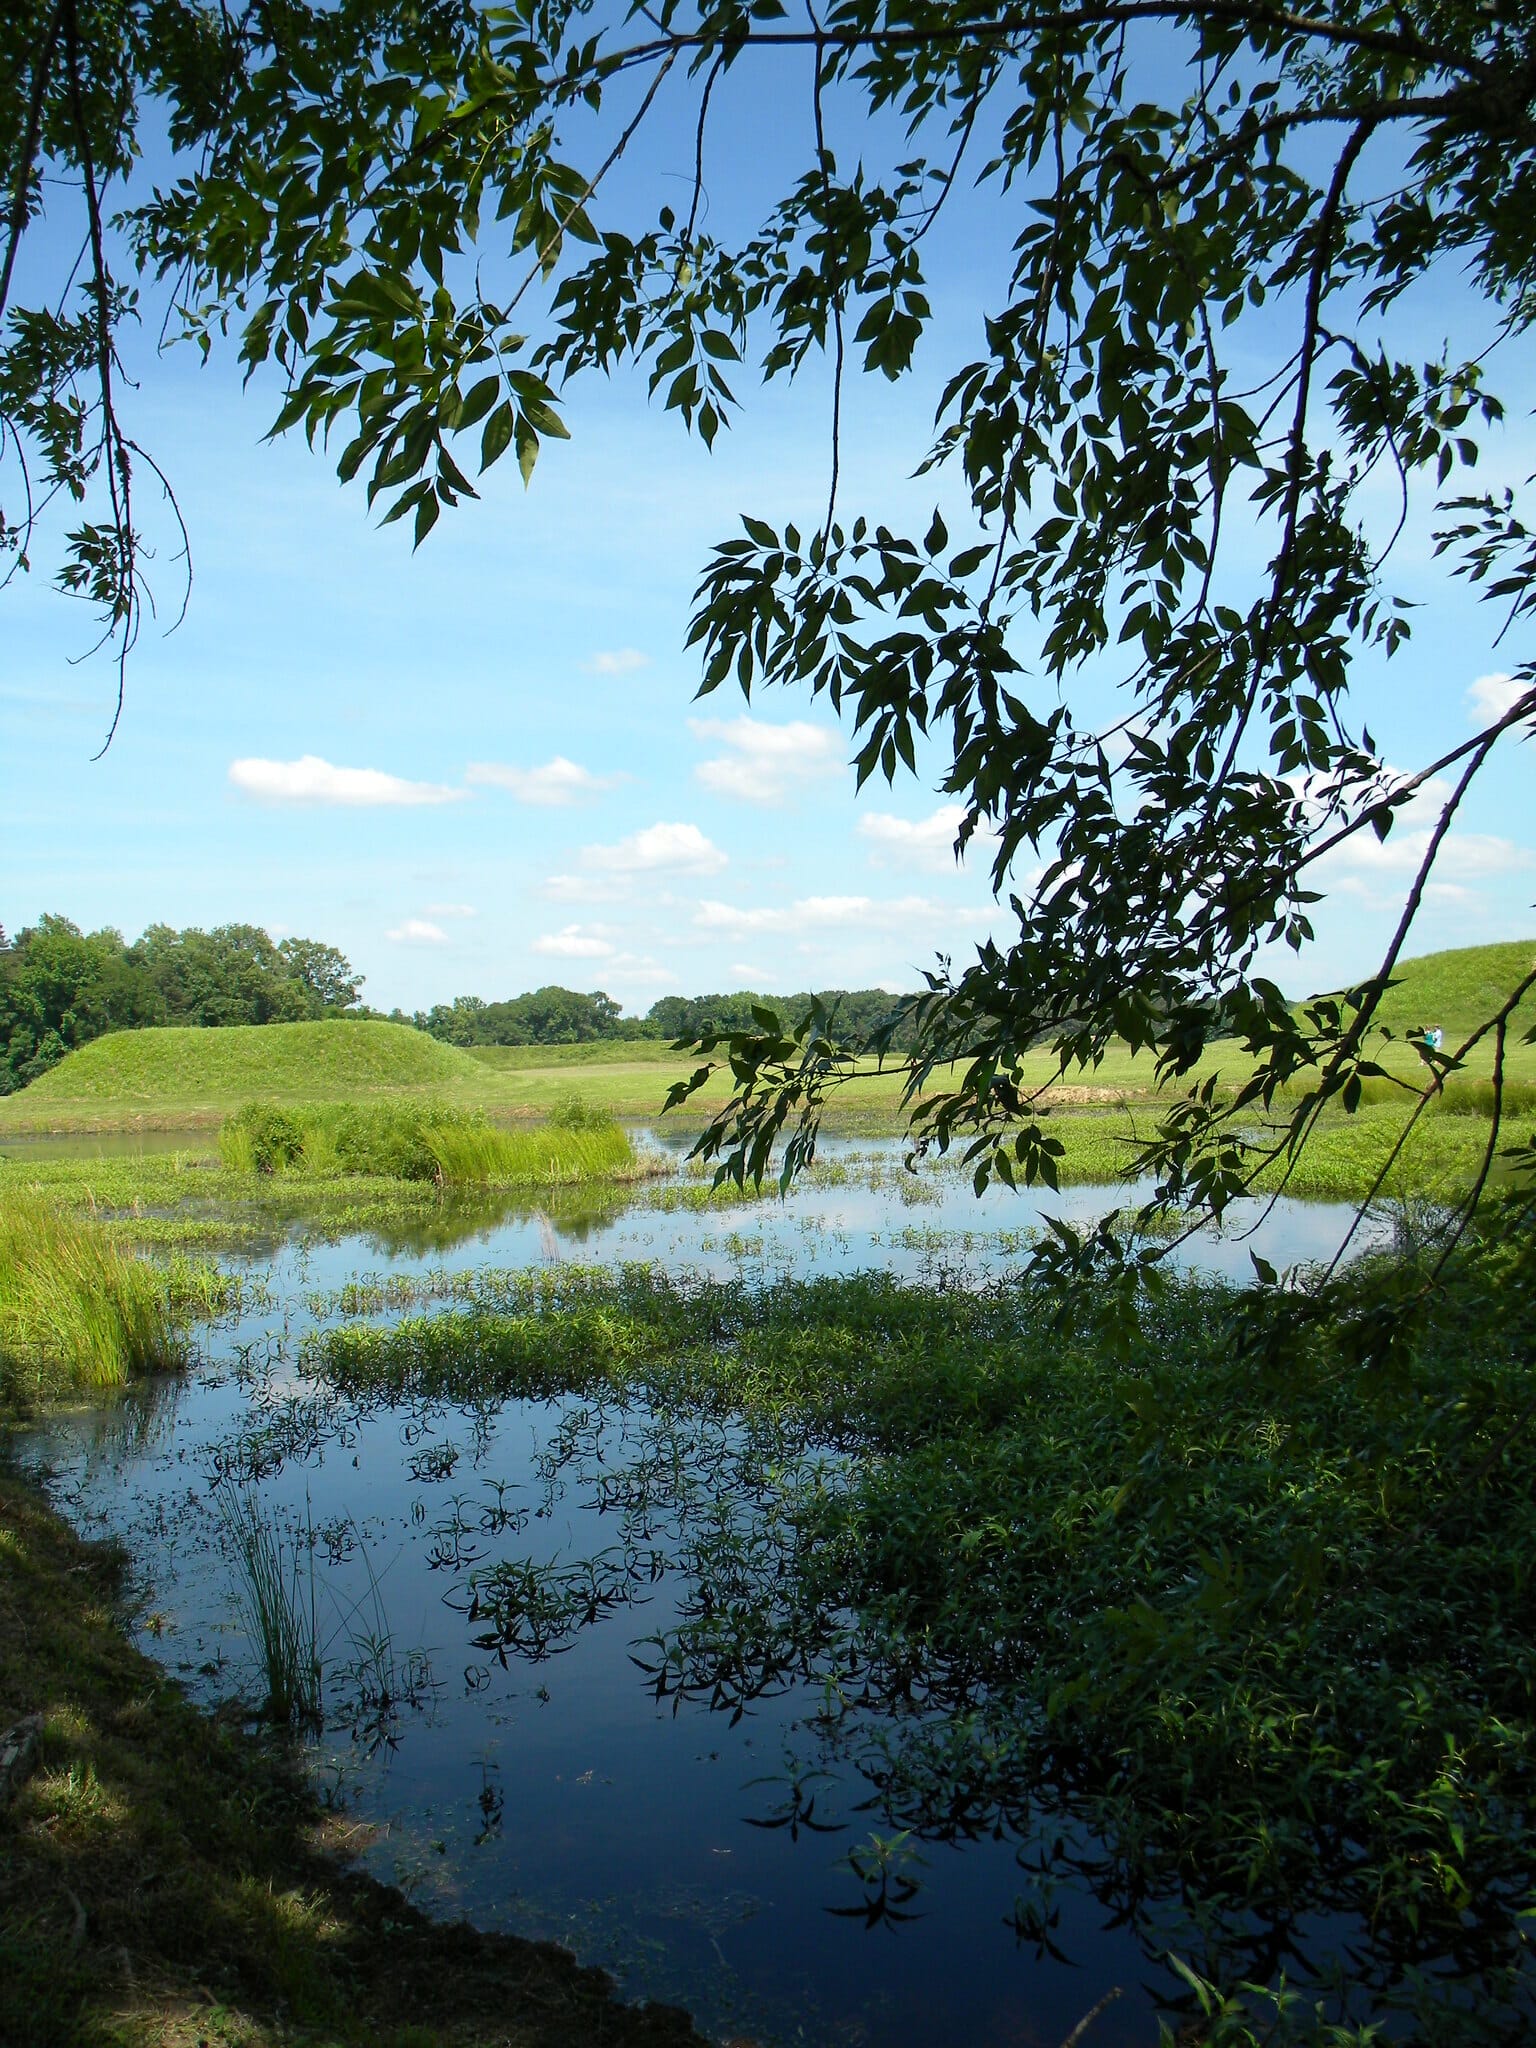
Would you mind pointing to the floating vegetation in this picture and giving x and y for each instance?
(1248, 1630)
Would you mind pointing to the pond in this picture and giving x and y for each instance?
(491, 1580)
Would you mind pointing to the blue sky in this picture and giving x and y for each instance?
(480, 767)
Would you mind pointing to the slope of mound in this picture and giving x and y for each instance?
(1459, 990)
(177, 1071)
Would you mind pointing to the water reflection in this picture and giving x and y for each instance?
(564, 1670)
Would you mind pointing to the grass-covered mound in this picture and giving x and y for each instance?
(193, 1078)
(307, 1061)
(425, 1141)
(76, 1311)
(1459, 990)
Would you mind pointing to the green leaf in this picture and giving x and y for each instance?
(527, 449)
(496, 437)
(477, 404)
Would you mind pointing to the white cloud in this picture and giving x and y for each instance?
(763, 763)
(575, 942)
(1370, 868)
(911, 915)
(451, 910)
(309, 780)
(558, 782)
(617, 661)
(1491, 696)
(418, 931)
(922, 842)
(658, 849)
(585, 888)
(639, 970)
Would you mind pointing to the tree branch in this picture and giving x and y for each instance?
(41, 72)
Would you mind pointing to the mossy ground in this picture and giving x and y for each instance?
(166, 1881)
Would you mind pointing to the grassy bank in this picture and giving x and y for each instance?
(165, 1881)
(78, 1313)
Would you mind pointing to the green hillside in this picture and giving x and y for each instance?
(594, 1052)
(1459, 990)
(179, 1075)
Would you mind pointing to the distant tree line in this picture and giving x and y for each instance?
(544, 1016)
(561, 1016)
(60, 987)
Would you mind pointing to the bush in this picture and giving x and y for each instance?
(573, 1112)
(419, 1141)
(261, 1138)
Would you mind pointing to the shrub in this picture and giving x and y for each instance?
(261, 1138)
(419, 1141)
(573, 1112)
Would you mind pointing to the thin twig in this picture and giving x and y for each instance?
(698, 145)
(114, 454)
(835, 290)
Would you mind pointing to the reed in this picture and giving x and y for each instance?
(276, 1599)
(76, 1311)
(424, 1141)
(1462, 1095)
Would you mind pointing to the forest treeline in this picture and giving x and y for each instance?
(561, 1016)
(60, 987)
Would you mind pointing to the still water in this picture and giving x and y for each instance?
(739, 1865)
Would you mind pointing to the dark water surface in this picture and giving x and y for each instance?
(703, 1859)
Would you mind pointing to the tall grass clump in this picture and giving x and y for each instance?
(75, 1310)
(425, 1141)
(1460, 1095)
(276, 1600)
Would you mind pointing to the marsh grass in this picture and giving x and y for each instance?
(76, 1311)
(276, 1599)
(353, 1672)
(1466, 1095)
(427, 1141)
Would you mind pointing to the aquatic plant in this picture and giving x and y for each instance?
(1251, 1618)
(276, 1598)
(423, 1141)
(261, 1138)
(576, 1112)
(76, 1311)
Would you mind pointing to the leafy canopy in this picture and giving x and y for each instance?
(401, 207)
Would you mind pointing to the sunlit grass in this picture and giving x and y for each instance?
(76, 1310)
(429, 1141)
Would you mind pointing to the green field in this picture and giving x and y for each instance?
(596, 1052)
(180, 1079)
